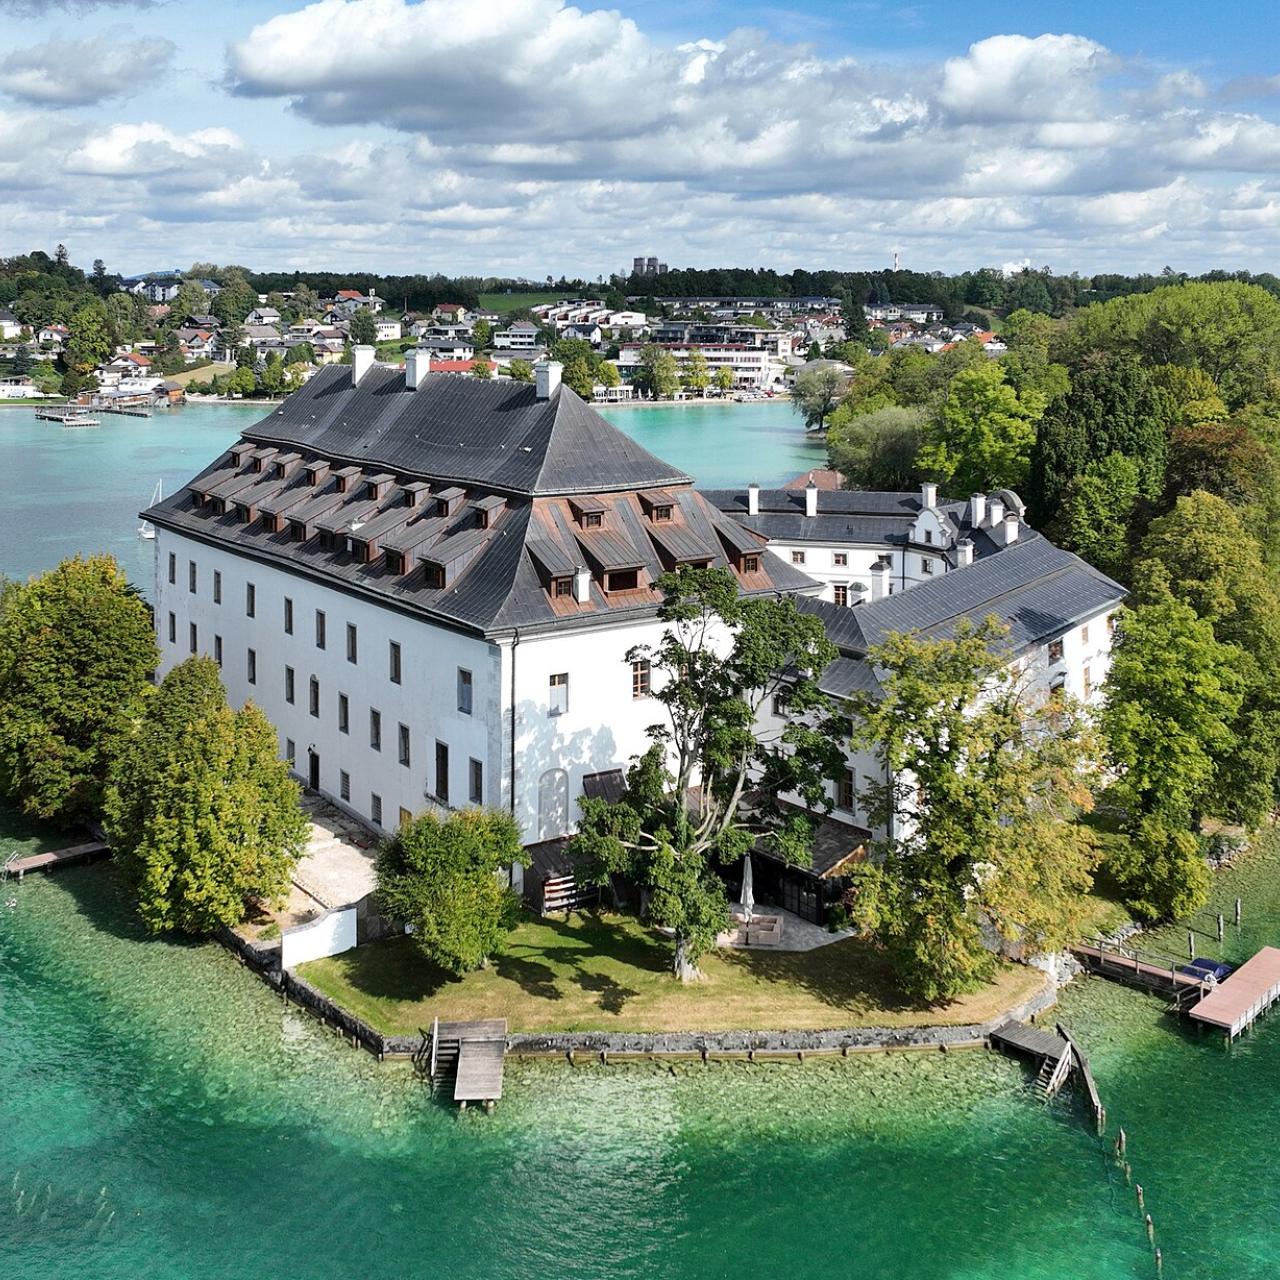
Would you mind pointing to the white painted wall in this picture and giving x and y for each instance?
(329, 935)
(820, 563)
(426, 699)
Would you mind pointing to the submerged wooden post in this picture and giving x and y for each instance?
(1151, 1230)
(1141, 1204)
(1121, 1143)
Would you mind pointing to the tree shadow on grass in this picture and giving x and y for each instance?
(393, 969)
(532, 976)
(852, 975)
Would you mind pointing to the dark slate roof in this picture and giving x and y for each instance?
(498, 576)
(494, 433)
(1036, 589)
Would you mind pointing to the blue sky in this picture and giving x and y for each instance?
(527, 137)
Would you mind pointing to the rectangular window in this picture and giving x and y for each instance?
(926, 567)
(217, 650)
(375, 808)
(290, 751)
(840, 559)
(191, 576)
(928, 537)
(314, 697)
(592, 520)
(405, 815)
(797, 557)
(622, 580)
(217, 586)
(560, 693)
(253, 666)
(1084, 634)
(250, 600)
(319, 628)
(344, 785)
(288, 684)
(464, 691)
(402, 735)
(1088, 682)
(173, 629)
(640, 678)
(344, 714)
(288, 616)
(173, 568)
(779, 705)
(1055, 650)
(375, 729)
(193, 637)
(1112, 621)
(442, 772)
(840, 595)
(750, 564)
(846, 799)
(395, 663)
(351, 642)
(477, 782)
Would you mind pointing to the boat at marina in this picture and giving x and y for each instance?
(146, 529)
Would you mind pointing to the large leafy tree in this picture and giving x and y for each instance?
(658, 371)
(877, 450)
(89, 341)
(1095, 518)
(1172, 699)
(695, 375)
(76, 648)
(202, 814)
(577, 377)
(980, 785)
(443, 875)
(709, 786)
(982, 436)
(816, 393)
(364, 329)
(1112, 407)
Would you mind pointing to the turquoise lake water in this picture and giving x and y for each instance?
(65, 490)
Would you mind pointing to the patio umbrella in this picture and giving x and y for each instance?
(748, 886)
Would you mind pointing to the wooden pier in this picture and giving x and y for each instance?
(1241, 998)
(471, 1053)
(1056, 1057)
(1167, 979)
(67, 416)
(18, 866)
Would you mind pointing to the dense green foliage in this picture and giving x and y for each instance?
(76, 649)
(720, 660)
(981, 792)
(815, 394)
(201, 813)
(877, 450)
(446, 876)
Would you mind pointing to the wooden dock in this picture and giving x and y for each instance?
(1242, 997)
(1167, 979)
(471, 1053)
(18, 866)
(1056, 1056)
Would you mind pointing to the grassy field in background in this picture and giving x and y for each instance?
(515, 301)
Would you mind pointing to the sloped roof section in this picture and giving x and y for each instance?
(494, 433)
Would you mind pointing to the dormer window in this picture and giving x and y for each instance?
(297, 531)
(395, 561)
(592, 519)
(622, 580)
(561, 587)
(326, 540)
(750, 564)
(588, 511)
(434, 575)
(662, 515)
(482, 519)
(928, 537)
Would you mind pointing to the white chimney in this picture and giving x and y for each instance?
(361, 363)
(964, 552)
(928, 495)
(880, 578)
(811, 498)
(417, 364)
(995, 510)
(1009, 528)
(582, 584)
(977, 509)
(547, 378)
(753, 499)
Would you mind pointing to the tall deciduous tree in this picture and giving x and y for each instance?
(89, 342)
(816, 392)
(443, 875)
(1095, 518)
(203, 815)
(1112, 407)
(983, 434)
(364, 329)
(577, 376)
(696, 374)
(982, 785)
(686, 807)
(76, 648)
(877, 450)
(481, 334)
(659, 371)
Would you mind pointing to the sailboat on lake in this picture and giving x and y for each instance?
(146, 529)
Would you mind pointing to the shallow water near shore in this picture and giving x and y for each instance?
(164, 1115)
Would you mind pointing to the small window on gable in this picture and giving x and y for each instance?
(928, 537)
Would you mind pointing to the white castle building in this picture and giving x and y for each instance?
(430, 584)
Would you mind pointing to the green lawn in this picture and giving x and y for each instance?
(609, 973)
(515, 301)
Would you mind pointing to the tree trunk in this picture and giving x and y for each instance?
(686, 969)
